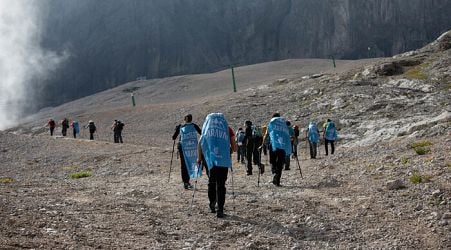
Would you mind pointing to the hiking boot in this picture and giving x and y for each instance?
(287, 168)
(187, 186)
(212, 208)
(249, 173)
(220, 213)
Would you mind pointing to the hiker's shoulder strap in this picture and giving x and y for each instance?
(197, 128)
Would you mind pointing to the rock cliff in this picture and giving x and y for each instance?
(112, 42)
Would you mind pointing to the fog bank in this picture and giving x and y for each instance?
(23, 64)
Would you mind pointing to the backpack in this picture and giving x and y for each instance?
(296, 130)
(240, 138)
(120, 125)
(65, 123)
(257, 132)
(330, 132)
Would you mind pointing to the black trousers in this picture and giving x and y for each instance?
(64, 131)
(257, 152)
(91, 135)
(184, 171)
(277, 159)
(51, 131)
(118, 137)
(216, 186)
(313, 147)
(75, 133)
(331, 146)
(249, 154)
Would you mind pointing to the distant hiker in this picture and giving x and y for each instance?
(296, 140)
(187, 143)
(65, 126)
(92, 129)
(312, 135)
(117, 128)
(241, 152)
(51, 124)
(280, 145)
(257, 136)
(330, 135)
(291, 134)
(215, 145)
(249, 142)
(75, 128)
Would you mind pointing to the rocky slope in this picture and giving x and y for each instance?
(113, 42)
(377, 191)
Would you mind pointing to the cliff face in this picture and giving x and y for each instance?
(113, 41)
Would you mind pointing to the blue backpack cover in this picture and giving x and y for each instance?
(215, 141)
(279, 135)
(331, 132)
(188, 141)
(313, 135)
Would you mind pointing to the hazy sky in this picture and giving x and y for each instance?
(22, 61)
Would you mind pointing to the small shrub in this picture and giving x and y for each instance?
(81, 174)
(416, 178)
(6, 180)
(405, 160)
(422, 150)
(420, 144)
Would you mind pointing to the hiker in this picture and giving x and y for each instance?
(75, 128)
(117, 128)
(330, 135)
(65, 126)
(120, 127)
(216, 145)
(249, 142)
(257, 136)
(280, 145)
(51, 124)
(296, 141)
(312, 135)
(92, 129)
(241, 152)
(187, 131)
(291, 133)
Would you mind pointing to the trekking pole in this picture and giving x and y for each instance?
(299, 166)
(172, 157)
(233, 191)
(194, 189)
(259, 166)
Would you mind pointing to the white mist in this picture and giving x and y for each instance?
(22, 61)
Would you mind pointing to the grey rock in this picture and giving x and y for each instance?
(395, 185)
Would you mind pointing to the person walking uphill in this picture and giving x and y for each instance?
(313, 138)
(249, 142)
(280, 145)
(92, 129)
(187, 148)
(51, 124)
(64, 126)
(330, 135)
(75, 128)
(216, 145)
(117, 128)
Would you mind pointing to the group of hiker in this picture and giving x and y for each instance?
(218, 141)
(117, 128)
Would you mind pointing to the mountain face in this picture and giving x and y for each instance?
(111, 42)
